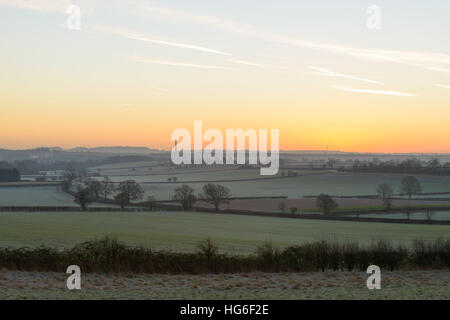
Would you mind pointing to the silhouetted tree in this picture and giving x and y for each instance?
(107, 187)
(385, 192)
(282, 206)
(429, 214)
(68, 177)
(127, 191)
(215, 194)
(326, 203)
(82, 198)
(408, 213)
(434, 163)
(94, 187)
(410, 185)
(122, 199)
(150, 201)
(185, 195)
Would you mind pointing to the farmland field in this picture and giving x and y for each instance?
(181, 231)
(207, 175)
(438, 215)
(37, 196)
(345, 184)
(308, 182)
(34, 196)
(309, 204)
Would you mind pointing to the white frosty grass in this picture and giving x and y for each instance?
(416, 284)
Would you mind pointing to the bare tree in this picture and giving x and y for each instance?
(150, 200)
(429, 214)
(94, 187)
(385, 192)
(410, 185)
(326, 203)
(107, 187)
(408, 213)
(82, 198)
(282, 206)
(68, 177)
(215, 194)
(122, 199)
(185, 195)
(434, 163)
(127, 191)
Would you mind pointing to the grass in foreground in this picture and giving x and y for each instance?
(429, 284)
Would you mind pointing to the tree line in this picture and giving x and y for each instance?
(124, 193)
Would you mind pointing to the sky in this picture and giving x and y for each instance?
(325, 73)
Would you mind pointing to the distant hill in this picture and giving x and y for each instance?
(118, 149)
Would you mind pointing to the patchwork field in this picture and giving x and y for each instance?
(248, 183)
(208, 175)
(38, 196)
(181, 231)
(318, 285)
(34, 196)
(338, 183)
(310, 203)
(438, 215)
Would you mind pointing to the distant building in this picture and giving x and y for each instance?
(8, 173)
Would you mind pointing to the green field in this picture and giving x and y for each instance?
(181, 231)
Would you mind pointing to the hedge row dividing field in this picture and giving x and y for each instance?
(109, 255)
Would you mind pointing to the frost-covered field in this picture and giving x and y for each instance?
(34, 196)
(207, 175)
(339, 183)
(437, 215)
(416, 284)
(38, 196)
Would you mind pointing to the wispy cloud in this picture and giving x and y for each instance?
(131, 34)
(249, 63)
(384, 92)
(426, 60)
(180, 45)
(328, 73)
(443, 86)
(174, 63)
